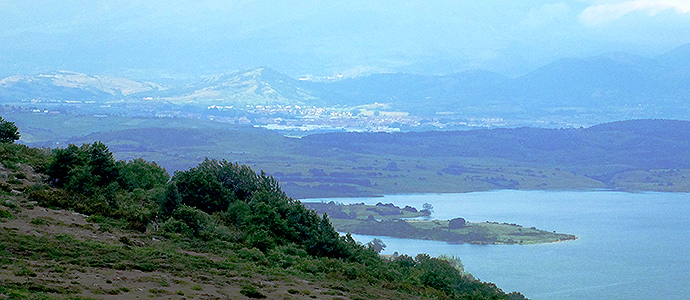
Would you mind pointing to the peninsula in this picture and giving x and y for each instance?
(408, 222)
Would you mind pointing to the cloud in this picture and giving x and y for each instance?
(602, 13)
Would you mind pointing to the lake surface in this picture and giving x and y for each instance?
(630, 245)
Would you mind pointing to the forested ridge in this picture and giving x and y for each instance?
(633, 155)
(636, 143)
(217, 208)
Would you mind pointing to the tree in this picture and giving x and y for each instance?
(139, 173)
(457, 223)
(171, 199)
(8, 131)
(377, 245)
(428, 207)
(84, 169)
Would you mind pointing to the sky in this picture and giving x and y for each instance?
(175, 38)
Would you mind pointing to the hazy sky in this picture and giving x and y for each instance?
(324, 37)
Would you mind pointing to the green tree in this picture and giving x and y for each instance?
(102, 163)
(171, 199)
(140, 174)
(8, 131)
(455, 262)
(84, 169)
(377, 245)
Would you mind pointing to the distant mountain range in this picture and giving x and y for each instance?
(655, 87)
(66, 85)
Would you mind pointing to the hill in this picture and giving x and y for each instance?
(260, 86)
(71, 86)
(634, 155)
(93, 227)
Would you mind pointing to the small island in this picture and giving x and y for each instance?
(408, 222)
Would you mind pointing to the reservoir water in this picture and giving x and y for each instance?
(630, 245)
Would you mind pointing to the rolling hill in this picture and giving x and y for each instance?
(68, 86)
(635, 155)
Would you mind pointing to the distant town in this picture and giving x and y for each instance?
(291, 119)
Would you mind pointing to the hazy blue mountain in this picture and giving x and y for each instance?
(677, 62)
(611, 81)
(417, 93)
(677, 58)
(71, 86)
(260, 86)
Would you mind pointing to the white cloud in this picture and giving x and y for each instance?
(598, 14)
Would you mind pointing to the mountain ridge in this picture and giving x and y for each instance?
(615, 82)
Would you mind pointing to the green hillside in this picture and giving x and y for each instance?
(78, 224)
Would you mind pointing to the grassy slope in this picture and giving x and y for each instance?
(60, 254)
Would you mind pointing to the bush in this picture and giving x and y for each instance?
(57, 198)
(286, 256)
(172, 225)
(72, 165)
(261, 239)
(4, 214)
(438, 274)
(214, 185)
(454, 262)
(195, 219)
(251, 292)
(252, 254)
(13, 154)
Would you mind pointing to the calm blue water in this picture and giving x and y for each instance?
(630, 246)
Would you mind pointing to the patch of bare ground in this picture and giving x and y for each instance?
(39, 221)
(118, 284)
(27, 277)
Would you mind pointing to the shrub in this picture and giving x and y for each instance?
(57, 198)
(40, 221)
(11, 155)
(173, 225)
(261, 239)
(251, 292)
(195, 219)
(252, 254)
(4, 214)
(454, 262)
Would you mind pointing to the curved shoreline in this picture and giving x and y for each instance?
(393, 221)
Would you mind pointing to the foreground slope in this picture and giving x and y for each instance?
(75, 224)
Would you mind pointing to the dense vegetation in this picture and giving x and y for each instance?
(217, 207)
(635, 144)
